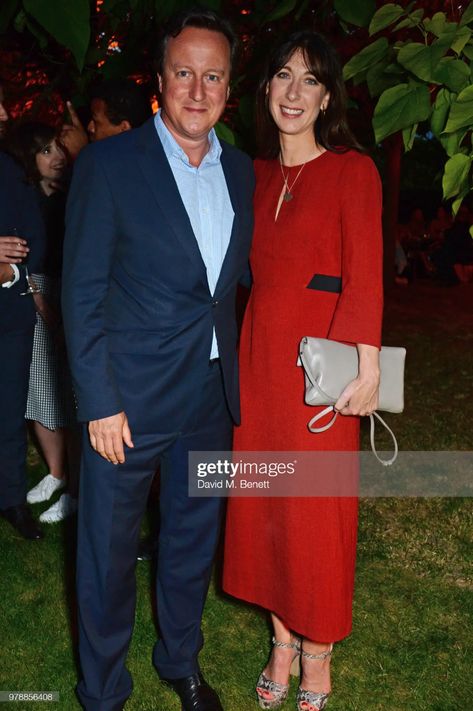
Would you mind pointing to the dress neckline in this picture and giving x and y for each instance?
(307, 162)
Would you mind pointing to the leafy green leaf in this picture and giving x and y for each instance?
(421, 59)
(378, 79)
(7, 11)
(453, 73)
(356, 13)
(411, 20)
(440, 111)
(395, 69)
(282, 9)
(458, 201)
(451, 142)
(462, 37)
(468, 51)
(365, 59)
(225, 133)
(385, 16)
(67, 22)
(400, 107)
(467, 16)
(455, 175)
(461, 113)
(408, 136)
(436, 24)
(20, 21)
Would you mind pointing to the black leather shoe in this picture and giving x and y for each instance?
(21, 519)
(195, 693)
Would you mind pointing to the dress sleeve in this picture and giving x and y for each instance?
(358, 315)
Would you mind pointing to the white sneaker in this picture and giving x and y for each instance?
(64, 507)
(45, 489)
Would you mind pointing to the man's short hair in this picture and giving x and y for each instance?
(124, 101)
(201, 19)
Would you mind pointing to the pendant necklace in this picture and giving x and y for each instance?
(287, 193)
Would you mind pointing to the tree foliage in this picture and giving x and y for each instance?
(418, 69)
(414, 62)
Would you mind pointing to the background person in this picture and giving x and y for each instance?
(316, 265)
(20, 218)
(116, 105)
(50, 405)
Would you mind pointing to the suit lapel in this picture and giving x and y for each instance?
(230, 172)
(158, 174)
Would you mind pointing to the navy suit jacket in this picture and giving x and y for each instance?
(19, 208)
(137, 308)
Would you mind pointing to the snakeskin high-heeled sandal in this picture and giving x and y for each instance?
(279, 691)
(313, 700)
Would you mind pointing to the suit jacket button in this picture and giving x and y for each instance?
(214, 303)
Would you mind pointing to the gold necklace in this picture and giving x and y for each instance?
(288, 194)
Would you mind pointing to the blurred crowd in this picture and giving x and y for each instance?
(45, 156)
(440, 248)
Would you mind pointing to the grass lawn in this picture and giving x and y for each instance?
(412, 643)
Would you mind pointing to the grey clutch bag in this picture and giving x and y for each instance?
(329, 366)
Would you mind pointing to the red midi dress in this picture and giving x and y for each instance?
(296, 556)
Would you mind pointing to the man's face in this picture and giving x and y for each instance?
(194, 83)
(100, 125)
(3, 114)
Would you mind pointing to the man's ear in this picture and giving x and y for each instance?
(228, 91)
(125, 126)
(160, 83)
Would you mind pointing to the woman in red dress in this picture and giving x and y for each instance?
(316, 265)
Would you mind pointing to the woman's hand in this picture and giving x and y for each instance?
(360, 397)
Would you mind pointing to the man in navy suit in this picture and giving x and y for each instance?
(159, 227)
(22, 237)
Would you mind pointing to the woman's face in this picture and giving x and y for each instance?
(51, 161)
(296, 97)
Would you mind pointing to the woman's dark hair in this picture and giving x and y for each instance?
(26, 141)
(331, 128)
(201, 19)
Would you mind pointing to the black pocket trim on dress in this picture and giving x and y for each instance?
(324, 282)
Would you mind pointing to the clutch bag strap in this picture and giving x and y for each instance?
(324, 428)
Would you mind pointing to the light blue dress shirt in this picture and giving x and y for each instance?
(204, 192)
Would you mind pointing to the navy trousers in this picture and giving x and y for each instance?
(111, 506)
(15, 359)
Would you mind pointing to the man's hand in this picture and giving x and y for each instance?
(107, 436)
(6, 273)
(13, 250)
(73, 136)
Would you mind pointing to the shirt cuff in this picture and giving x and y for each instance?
(16, 277)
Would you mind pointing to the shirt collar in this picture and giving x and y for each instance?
(173, 149)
